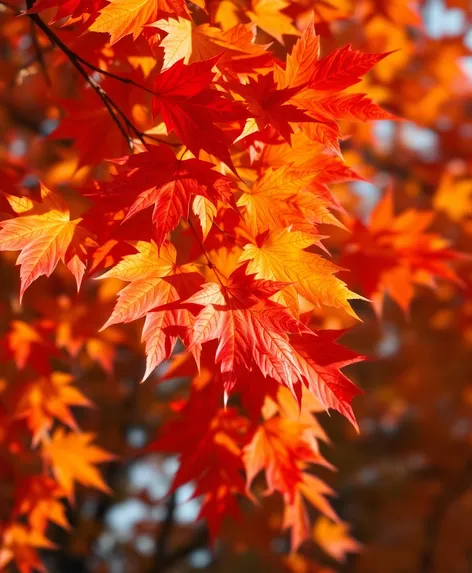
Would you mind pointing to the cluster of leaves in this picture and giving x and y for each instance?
(207, 138)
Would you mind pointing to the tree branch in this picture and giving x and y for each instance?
(201, 539)
(166, 529)
(451, 492)
(40, 54)
(124, 124)
(211, 264)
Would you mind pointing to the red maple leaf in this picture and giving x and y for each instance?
(191, 108)
(157, 178)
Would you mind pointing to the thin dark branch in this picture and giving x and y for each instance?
(125, 125)
(211, 264)
(201, 539)
(112, 108)
(450, 493)
(117, 77)
(77, 57)
(128, 130)
(166, 529)
(164, 558)
(164, 562)
(29, 63)
(37, 47)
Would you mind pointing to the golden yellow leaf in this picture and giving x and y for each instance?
(281, 256)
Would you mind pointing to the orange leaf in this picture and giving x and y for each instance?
(49, 398)
(122, 17)
(334, 538)
(281, 256)
(73, 458)
(45, 235)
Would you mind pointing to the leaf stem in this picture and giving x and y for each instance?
(211, 264)
(124, 124)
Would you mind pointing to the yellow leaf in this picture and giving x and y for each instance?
(454, 197)
(281, 198)
(281, 256)
(123, 17)
(188, 42)
(149, 273)
(268, 15)
(205, 211)
(45, 235)
(334, 538)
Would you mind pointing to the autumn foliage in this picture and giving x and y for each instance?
(211, 213)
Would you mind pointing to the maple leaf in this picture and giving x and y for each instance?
(309, 489)
(281, 256)
(303, 154)
(66, 8)
(268, 16)
(305, 70)
(287, 406)
(155, 280)
(122, 17)
(342, 69)
(395, 253)
(260, 137)
(282, 198)
(29, 345)
(319, 360)
(250, 328)
(21, 544)
(160, 179)
(161, 330)
(190, 43)
(45, 235)
(206, 212)
(299, 66)
(278, 446)
(325, 132)
(210, 453)
(334, 538)
(268, 106)
(111, 203)
(190, 107)
(454, 197)
(39, 500)
(43, 400)
(73, 458)
(353, 107)
(243, 56)
(237, 53)
(85, 118)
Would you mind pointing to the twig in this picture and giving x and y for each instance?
(79, 62)
(166, 529)
(163, 563)
(39, 52)
(111, 106)
(211, 265)
(451, 492)
(77, 57)
(29, 63)
(114, 110)
(201, 539)
(117, 77)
